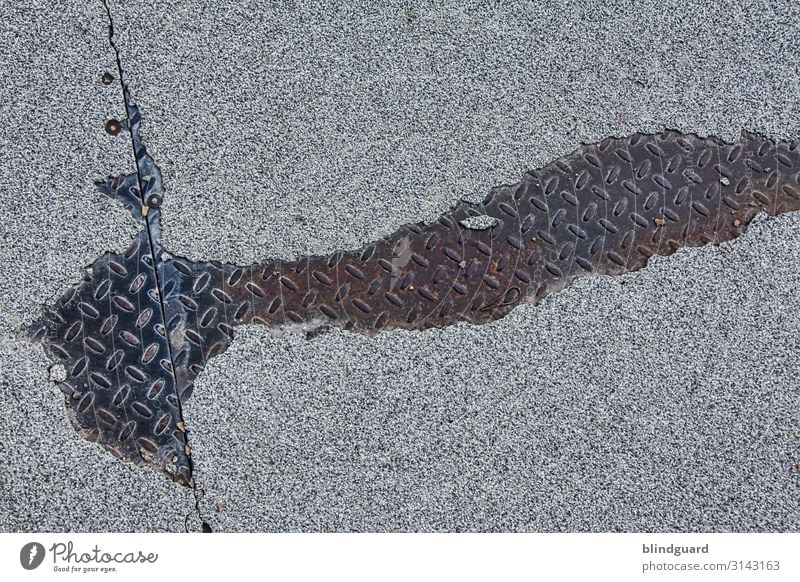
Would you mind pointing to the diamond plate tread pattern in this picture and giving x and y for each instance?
(109, 334)
(603, 210)
(140, 328)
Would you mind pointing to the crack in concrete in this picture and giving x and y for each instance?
(150, 188)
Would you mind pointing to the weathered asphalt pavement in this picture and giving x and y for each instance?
(662, 400)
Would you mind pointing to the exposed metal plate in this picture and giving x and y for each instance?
(138, 330)
(605, 209)
(109, 334)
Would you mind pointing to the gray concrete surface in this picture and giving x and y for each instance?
(52, 149)
(663, 400)
(319, 125)
(666, 400)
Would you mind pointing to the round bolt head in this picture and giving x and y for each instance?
(113, 127)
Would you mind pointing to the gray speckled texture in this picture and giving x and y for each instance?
(662, 400)
(52, 149)
(665, 400)
(319, 125)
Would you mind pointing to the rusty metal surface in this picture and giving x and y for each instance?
(603, 210)
(139, 329)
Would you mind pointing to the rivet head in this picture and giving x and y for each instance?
(154, 200)
(113, 126)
